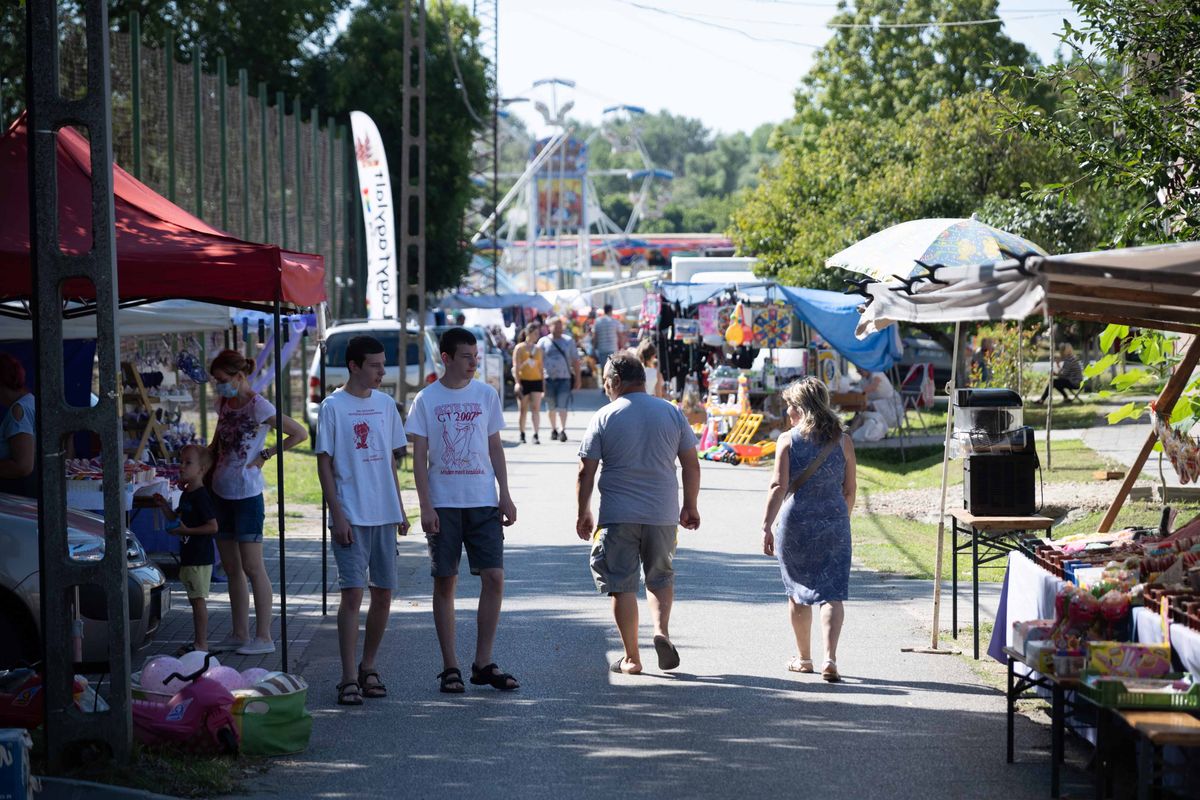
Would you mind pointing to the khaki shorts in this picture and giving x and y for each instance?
(196, 580)
(620, 552)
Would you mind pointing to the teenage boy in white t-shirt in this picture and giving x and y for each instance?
(359, 436)
(458, 460)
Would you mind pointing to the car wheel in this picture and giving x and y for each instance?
(18, 643)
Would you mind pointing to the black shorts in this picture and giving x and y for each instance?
(530, 387)
(477, 528)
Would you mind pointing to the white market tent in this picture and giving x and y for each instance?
(164, 316)
(1156, 287)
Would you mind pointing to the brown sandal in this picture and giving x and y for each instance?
(371, 690)
(349, 694)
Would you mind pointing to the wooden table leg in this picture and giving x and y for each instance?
(1145, 769)
(1101, 739)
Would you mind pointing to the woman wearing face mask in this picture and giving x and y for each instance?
(239, 445)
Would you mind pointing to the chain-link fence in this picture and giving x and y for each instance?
(256, 166)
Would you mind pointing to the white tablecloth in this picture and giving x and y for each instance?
(93, 499)
(1184, 641)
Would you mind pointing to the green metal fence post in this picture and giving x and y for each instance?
(334, 137)
(243, 105)
(222, 121)
(135, 88)
(198, 128)
(266, 172)
(169, 52)
(298, 117)
(281, 108)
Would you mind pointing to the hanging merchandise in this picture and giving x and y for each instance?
(772, 325)
(1181, 449)
(827, 368)
(651, 308)
(707, 317)
(687, 330)
(737, 332)
(724, 316)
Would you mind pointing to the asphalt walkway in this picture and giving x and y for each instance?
(729, 721)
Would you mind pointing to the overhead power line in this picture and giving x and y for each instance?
(688, 18)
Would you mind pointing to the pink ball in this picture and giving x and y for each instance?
(228, 677)
(254, 675)
(155, 672)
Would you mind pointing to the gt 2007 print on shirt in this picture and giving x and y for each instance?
(459, 422)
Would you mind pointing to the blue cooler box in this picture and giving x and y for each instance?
(15, 780)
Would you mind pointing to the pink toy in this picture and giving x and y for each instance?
(200, 714)
(193, 661)
(254, 675)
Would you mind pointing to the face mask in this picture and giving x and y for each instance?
(227, 390)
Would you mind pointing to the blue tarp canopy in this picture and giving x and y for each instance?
(534, 301)
(832, 314)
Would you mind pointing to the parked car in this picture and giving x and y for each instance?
(920, 349)
(386, 331)
(20, 585)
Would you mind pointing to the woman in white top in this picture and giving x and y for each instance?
(18, 454)
(239, 444)
(647, 353)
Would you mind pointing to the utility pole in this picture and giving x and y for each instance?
(412, 186)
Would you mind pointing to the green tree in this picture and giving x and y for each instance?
(861, 176)
(1127, 114)
(883, 73)
(363, 70)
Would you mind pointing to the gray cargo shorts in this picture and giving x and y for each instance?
(621, 551)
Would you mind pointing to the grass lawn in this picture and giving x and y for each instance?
(1084, 414)
(882, 470)
(908, 548)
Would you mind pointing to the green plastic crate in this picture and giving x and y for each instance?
(1113, 693)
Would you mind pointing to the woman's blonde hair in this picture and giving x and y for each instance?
(810, 398)
(1066, 351)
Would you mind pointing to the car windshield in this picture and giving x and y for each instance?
(336, 344)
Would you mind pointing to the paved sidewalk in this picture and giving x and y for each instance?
(729, 721)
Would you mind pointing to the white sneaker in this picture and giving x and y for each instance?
(256, 647)
(229, 643)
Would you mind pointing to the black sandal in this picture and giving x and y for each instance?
(349, 694)
(491, 675)
(372, 690)
(452, 682)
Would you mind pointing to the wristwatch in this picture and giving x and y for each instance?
(265, 455)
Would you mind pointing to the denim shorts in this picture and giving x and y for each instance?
(240, 520)
(373, 551)
(558, 393)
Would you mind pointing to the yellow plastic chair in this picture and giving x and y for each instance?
(745, 428)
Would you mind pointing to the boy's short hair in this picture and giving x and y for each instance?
(203, 454)
(451, 339)
(358, 348)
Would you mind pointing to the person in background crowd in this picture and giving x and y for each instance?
(244, 417)
(560, 358)
(458, 464)
(981, 362)
(460, 319)
(608, 336)
(638, 440)
(1068, 374)
(18, 431)
(529, 373)
(807, 521)
(647, 354)
(359, 437)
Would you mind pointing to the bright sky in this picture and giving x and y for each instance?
(638, 52)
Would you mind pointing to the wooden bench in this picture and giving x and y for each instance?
(1153, 730)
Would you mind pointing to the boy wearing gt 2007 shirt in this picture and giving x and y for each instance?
(195, 522)
(458, 461)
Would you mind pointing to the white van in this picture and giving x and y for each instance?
(386, 331)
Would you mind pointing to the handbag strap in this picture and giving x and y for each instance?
(562, 352)
(815, 465)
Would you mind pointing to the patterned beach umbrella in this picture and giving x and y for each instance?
(894, 252)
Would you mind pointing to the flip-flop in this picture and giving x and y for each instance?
(616, 667)
(668, 656)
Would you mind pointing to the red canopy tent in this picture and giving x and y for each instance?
(163, 252)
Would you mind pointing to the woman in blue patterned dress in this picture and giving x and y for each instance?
(809, 531)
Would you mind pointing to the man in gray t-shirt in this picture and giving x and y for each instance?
(638, 439)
